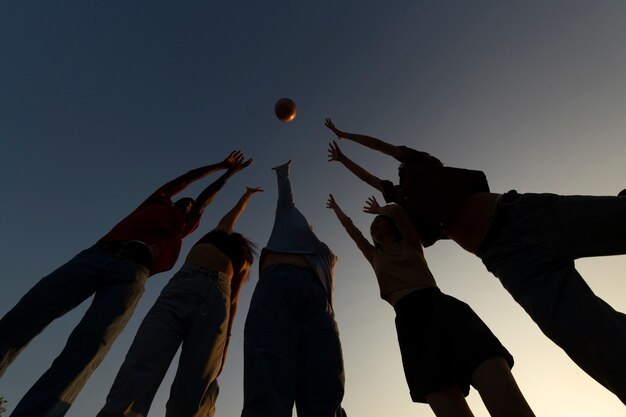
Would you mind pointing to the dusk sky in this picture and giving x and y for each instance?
(102, 102)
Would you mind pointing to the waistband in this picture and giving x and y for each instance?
(201, 271)
(499, 220)
(133, 250)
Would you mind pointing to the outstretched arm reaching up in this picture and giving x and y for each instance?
(361, 242)
(208, 194)
(178, 184)
(227, 223)
(335, 154)
(401, 153)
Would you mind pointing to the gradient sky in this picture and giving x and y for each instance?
(102, 102)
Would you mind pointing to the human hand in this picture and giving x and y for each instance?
(334, 153)
(253, 190)
(286, 164)
(331, 203)
(240, 164)
(329, 124)
(372, 206)
(233, 158)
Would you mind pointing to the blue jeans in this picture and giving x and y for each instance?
(192, 310)
(292, 351)
(117, 283)
(533, 256)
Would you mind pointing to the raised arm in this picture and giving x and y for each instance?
(208, 194)
(335, 154)
(227, 223)
(362, 243)
(178, 184)
(285, 193)
(399, 217)
(235, 289)
(398, 152)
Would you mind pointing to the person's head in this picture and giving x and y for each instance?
(184, 205)
(241, 251)
(384, 229)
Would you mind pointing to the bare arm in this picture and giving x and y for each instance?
(227, 223)
(398, 152)
(361, 242)
(178, 184)
(335, 154)
(208, 194)
(235, 288)
(399, 217)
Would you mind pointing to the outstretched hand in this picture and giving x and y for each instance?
(235, 157)
(253, 190)
(331, 203)
(329, 124)
(288, 163)
(372, 206)
(240, 164)
(334, 153)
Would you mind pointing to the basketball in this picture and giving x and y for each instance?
(285, 109)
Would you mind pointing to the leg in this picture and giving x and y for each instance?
(113, 304)
(146, 363)
(48, 300)
(449, 402)
(271, 339)
(320, 362)
(557, 298)
(194, 390)
(499, 391)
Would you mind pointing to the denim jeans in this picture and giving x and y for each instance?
(292, 351)
(117, 283)
(533, 256)
(192, 310)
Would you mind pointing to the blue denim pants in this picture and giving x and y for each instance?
(117, 284)
(533, 256)
(292, 351)
(192, 311)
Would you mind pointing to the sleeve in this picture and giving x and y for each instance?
(285, 193)
(411, 156)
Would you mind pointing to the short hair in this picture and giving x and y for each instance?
(397, 234)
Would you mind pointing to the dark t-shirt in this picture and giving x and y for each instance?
(431, 193)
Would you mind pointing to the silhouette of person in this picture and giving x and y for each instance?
(114, 270)
(445, 346)
(292, 351)
(196, 309)
(528, 241)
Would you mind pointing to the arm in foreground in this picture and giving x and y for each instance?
(361, 242)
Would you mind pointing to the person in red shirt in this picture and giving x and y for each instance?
(114, 270)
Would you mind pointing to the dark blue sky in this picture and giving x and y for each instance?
(102, 102)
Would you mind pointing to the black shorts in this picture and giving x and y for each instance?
(442, 342)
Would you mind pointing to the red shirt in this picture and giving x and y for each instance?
(158, 224)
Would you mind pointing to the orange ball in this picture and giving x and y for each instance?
(285, 109)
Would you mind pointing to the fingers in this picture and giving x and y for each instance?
(247, 163)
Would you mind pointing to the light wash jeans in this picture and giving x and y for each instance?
(117, 283)
(533, 257)
(292, 351)
(192, 310)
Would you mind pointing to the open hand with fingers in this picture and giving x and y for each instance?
(329, 124)
(331, 203)
(334, 153)
(372, 206)
(235, 157)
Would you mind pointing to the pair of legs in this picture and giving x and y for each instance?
(497, 388)
(533, 256)
(445, 347)
(292, 352)
(117, 283)
(192, 310)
